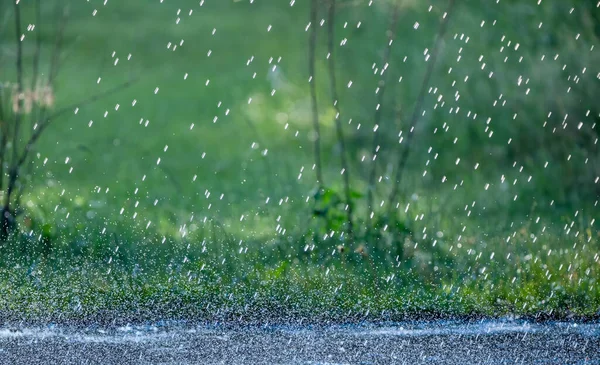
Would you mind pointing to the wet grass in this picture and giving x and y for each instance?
(221, 226)
(215, 282)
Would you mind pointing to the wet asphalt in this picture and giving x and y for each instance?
(438, 342)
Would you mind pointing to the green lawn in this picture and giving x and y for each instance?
(222, 223)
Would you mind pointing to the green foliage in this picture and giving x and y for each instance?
(330, 207)
(224, 224)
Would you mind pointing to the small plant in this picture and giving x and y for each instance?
(26, 110)
(331, 208)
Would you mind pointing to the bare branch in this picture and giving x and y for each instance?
(36, 58)
(3, 138)
(38, 44)
(43, 124)
(6, 217)
(20, 191)
(54, 63)
(338, 123)
(19, 66)
(19, 92)
(312, 44)
(419, 104)
(14, 171)
(2, 120)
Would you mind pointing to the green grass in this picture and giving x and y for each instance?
(463, 243)
(208, 289)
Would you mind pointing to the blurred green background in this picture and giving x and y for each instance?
(196, 184)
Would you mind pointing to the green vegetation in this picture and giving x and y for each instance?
(193, 193)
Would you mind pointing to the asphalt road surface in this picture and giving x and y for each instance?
(440, 342)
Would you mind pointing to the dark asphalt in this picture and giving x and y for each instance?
(442, 342)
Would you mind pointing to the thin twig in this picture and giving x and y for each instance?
(312, 44)
(378, 110)
(6, 218)
(42, 125)
(338, 123)
(3, 139)
(14, 171)
(19, 95)
(1, 103)
(21, 191)
(4, 22)
(38, 44)
(19, 106)
(418, 106)
(54, 63)
(36, 58)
